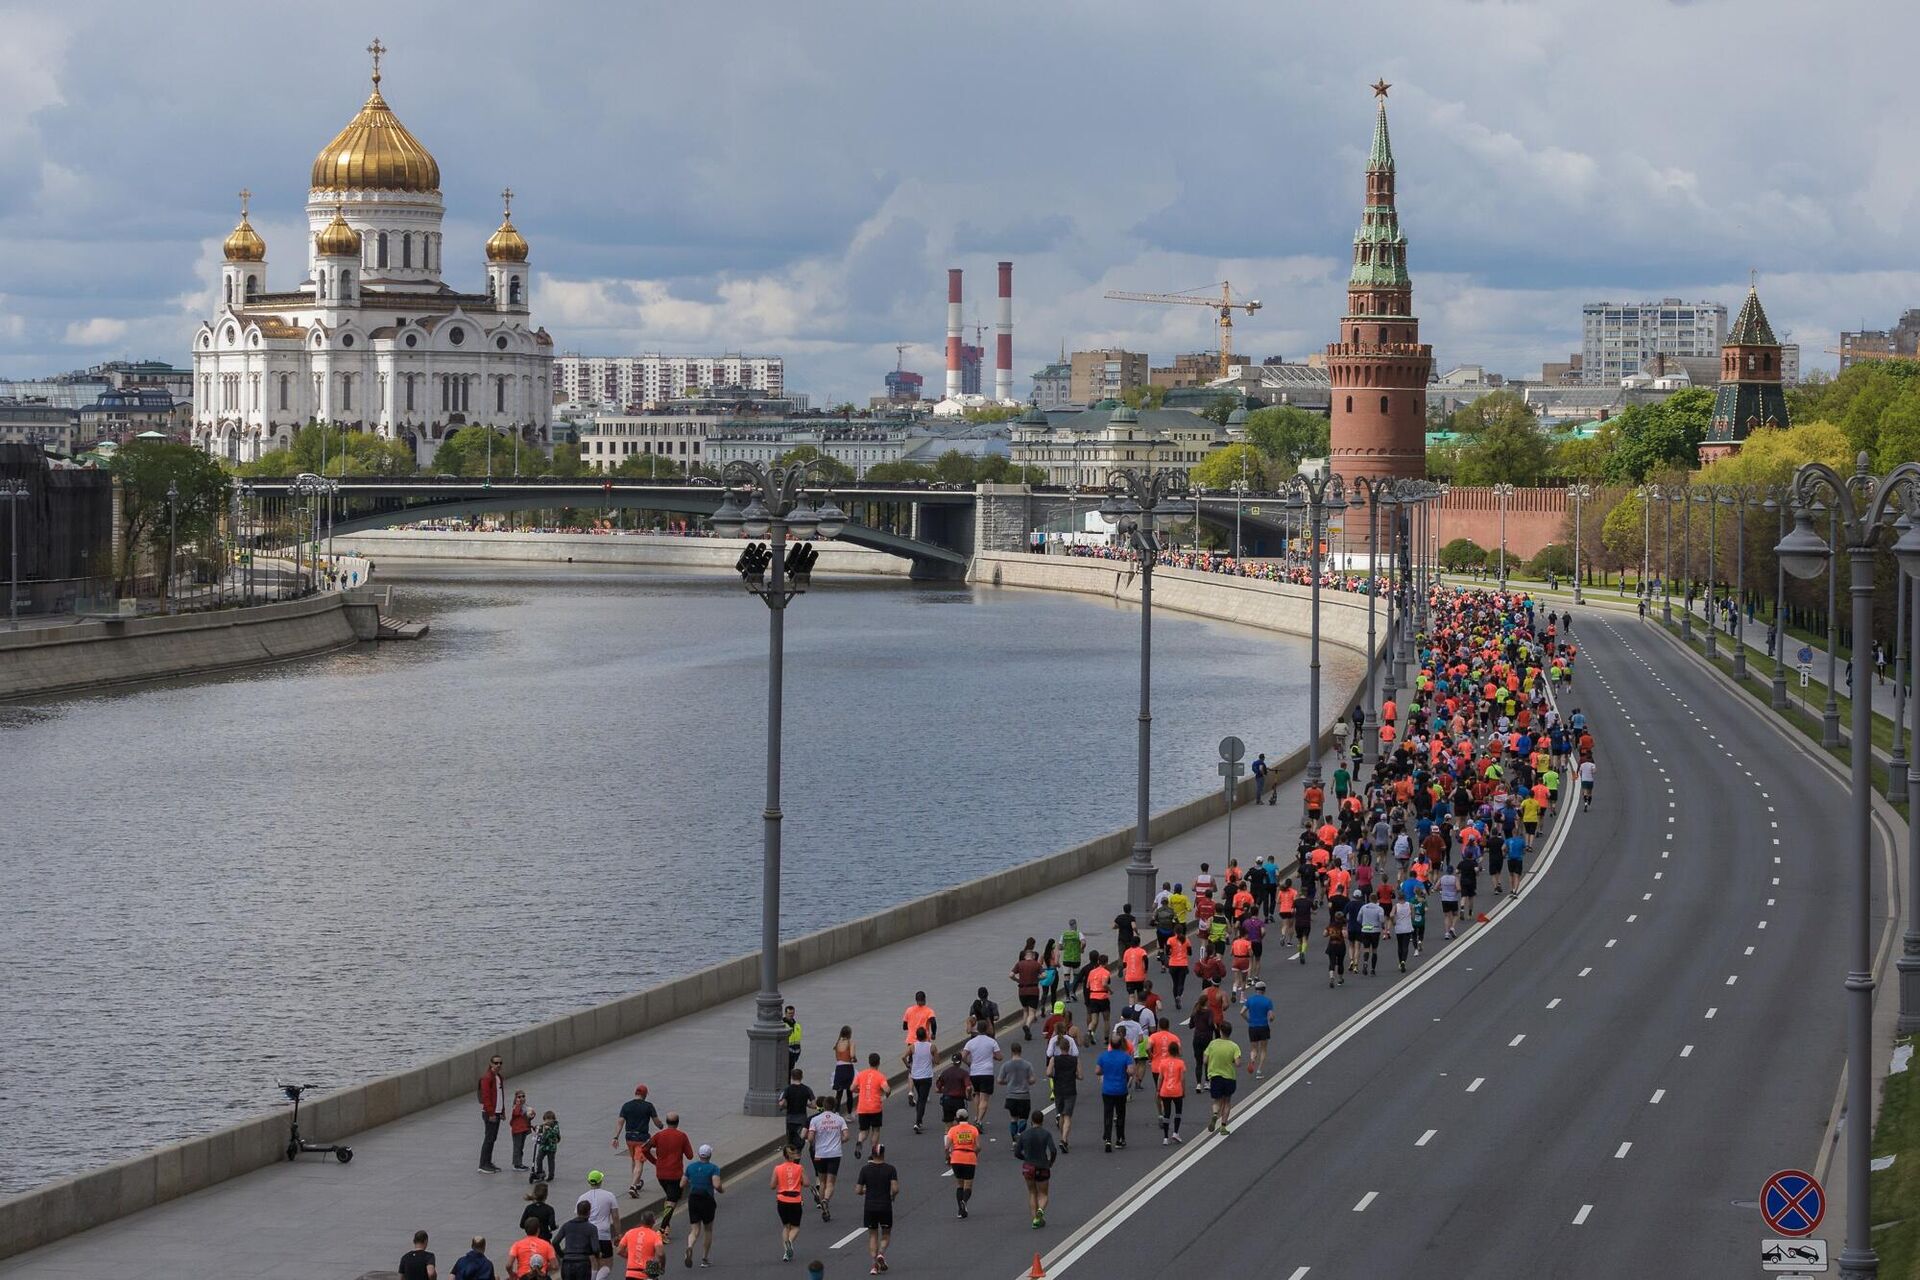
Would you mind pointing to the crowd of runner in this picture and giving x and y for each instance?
(1439, 804)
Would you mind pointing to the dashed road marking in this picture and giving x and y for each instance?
(1657, 1095)
(1515, 1042)
(1621, 1154)
(1365, 1200)
(1584, 972)
(1425, 1138)
(1580, 1218)
(1686, 1051)
(1477, 1082)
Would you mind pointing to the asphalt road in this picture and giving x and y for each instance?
(1595, 1084)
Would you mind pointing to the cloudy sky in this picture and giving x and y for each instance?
(795, 178)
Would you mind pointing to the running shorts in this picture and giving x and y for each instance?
(962, 1170)
(1221, 1086)
(1034, 1173)
(826, 1166)
(1257, 1034)
(701, 1208)
(982, 1084)
(881, 1219)
(1019, 1108)
(871, 1120)
(670, 1188)
(789, 1213)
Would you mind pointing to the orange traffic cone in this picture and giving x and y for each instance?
(1480, 918)
(1039, 1272)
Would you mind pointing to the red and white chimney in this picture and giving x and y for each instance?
(1003, 338)
(953, 333)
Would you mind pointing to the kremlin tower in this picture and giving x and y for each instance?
(1378, 366)
(1749, 396)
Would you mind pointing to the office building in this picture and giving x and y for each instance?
(1105, 374)
(1870, 344)
(1617, 339)
(1053, 385)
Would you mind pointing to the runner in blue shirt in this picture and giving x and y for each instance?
(1516, 855)
(1116, 1077)
(703, 1184)
(1258, 1009)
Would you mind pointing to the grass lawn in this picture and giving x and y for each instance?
(1896, 1190)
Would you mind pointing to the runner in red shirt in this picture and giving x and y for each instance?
(668, 1152)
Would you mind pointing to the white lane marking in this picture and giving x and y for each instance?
(1365, 1200)
(1646, 897)
(851, 1236)
(1584, 972)
(1712, 1011)
(1769, 901)
(1611, 941)
(1621, 1154)
(1425, 1138)
(1664, 853)
(1776, 859)
(1686, 1051)
(1554, 1003)
(1515, 1042)
(1732, 978)
(1657, 1095)
(1632, 918)
(1580, 1218)
(1299, 1273)
(1477, 1082)
(1658, 874)
(1763, 924)
(1749, 950)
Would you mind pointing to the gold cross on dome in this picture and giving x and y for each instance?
(1380, 88)
(376, 49)
(506, 195)
(245, 195)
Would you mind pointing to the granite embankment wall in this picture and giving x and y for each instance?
(45, 661)
(63, 1208)
(1273, 606)
(598, 548)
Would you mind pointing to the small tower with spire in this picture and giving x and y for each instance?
(1750, 396)
(1377, 365)
(507, 261)
(244, 274)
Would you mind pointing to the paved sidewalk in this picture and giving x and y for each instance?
(317, 1219)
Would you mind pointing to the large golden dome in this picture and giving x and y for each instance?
(375, 153)
(337, 238)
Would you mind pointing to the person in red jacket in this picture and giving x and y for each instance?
(668, 1152)
(493, 1109)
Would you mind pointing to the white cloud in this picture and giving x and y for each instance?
(100, 331)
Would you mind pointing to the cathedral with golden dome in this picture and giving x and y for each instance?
(370, 337)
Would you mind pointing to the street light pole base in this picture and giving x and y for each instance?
(1830, 729)
(1141, 874)
(1779, 691)
(1909, 967)
(766, 1067)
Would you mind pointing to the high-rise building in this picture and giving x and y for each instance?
(1195, 369)
(646, 381)
(971, 359)
(1105, 374)
(1901, 340)
(1749, 397)
(1378, 367)
(903, 386)
(1053, 385)
(1617, 338)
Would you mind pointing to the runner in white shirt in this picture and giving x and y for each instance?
(1586, 785)
(827, 1136)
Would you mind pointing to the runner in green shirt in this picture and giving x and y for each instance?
(1223, 1075)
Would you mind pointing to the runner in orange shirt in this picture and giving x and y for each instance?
(1133, 968)
(919, 1014)
(641, 1245)
(870, 1090)
(1173, 1093)
(963, 1157)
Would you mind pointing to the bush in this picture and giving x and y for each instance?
(1462, 553)
(1555, 558)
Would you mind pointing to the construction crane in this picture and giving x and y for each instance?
(1225, 305)
(900, 355)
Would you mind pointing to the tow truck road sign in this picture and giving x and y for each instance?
(1793, 1202)
(1804, 1256)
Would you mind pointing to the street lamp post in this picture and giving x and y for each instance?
(1133, 498)
(1780, 500)
(173, 499)
(1665, 494)
(1863, 505)
(1579, 493)
(1830, 714)
(776, 506)
(1685, 495)
(1897, 761)
(1645, 495)
(1372, 492)
(1711, 495)
(1740, 497)
(13, 493)
(1316, 495)
(1390, 504)
(1909, 962)
(1503, 491)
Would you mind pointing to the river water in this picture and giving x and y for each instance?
(334, 869)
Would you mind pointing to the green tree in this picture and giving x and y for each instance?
(1146, 398)
(649, 466)
(565, 463)
(465, 453)
(833, 468)
(145, 469)
(1649, 437)
(1580, 457)
(899, 472)
(1477, 415)
(993, 412)
(1289, 435)
(1228, 466)
(1462, 553)
(1509, 449)
(1555, 558)
(325, 449)
(1218, 409)
(1623, 531)
(1898, 439)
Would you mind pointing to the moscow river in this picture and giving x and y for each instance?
(334, 869)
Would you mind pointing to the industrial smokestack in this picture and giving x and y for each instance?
(1003, 352)
(953, 333)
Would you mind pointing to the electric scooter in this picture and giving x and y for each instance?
(297, 1144)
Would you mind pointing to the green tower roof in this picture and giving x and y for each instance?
(1381, 157)
(1752, 329)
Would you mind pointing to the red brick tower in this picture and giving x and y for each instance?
(1379, 366)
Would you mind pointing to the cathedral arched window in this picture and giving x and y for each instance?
(346, 285)
(1383, 404)
(253, 287)
(381, 250)
(513, 291)
(229, 290)
(286, 388)
(406, 249)
(500, 395)
(323, 285)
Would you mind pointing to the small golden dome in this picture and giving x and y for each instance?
(243, 242)
(507, 244)
(375, 152)
(337, 238)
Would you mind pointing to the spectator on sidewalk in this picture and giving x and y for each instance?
(493, 1109)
